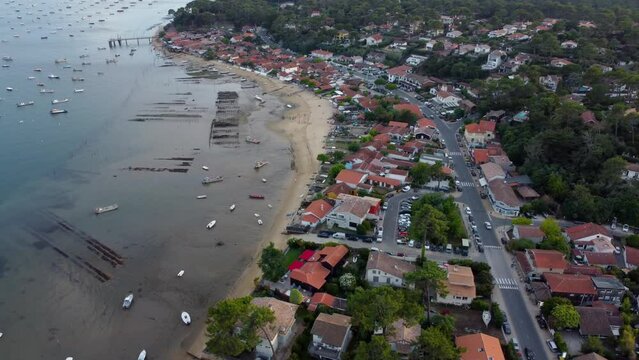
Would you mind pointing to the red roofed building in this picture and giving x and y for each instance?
(315, 213)
(295, 265)
(330, 256)
(334, 190)
(306, 254)
(589, 118)
(545, 261)
(480, 134)
(425, 122)
(632, 257)
(577, 288)
(398, 73)
(311, 276)
(384, 182)
(384, 138)
(603, 260)
(322, 54)
(414, 109)
(529, 232)
(374, 39)
(351, 177)
(586, 232)
(322, 298)
(367, 103)
(397, 124)
(480, 156)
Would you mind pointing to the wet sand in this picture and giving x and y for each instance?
(305, 125)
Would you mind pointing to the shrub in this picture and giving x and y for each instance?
(480, 304)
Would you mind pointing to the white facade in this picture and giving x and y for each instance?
(494, 60)
(376, 277)
(344, 220)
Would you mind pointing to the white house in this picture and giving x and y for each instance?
(279, 333)
(495, 59)
(460, 284)
(349, 213)
(322, 54)
(331, 336)
(447, 99)
(631, 172)
(374, 40)
(415, 60)
(383, 269)
(497, 33)
(454, 34)
(569, 45)
(482, 49)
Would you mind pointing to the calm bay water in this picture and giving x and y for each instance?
(56, 169)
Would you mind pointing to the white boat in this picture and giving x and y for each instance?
(1, 334)
(256, 215)
(232, 207)
(180, 273)
(78, 90)
(52, 76)
(205, 168)
(260, 222)
(211, 224)
(57, 111)
(142, 355)
(46, 91)
(263, 180)
(201, 197)
(128, 301)
(269, 206)
(100, 210)
(56, 101)
(259, 98)
(37, 70)
(186, 318)
(30, 77)
(21, 104)
(9, 89)
(259, 164)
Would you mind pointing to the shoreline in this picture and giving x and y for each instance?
(305, 126)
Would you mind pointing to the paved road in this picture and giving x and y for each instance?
(510, 289)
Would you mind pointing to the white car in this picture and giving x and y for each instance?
(488, 225)
(468, 210)
(406, 188)
(625, 228)
(457, 182)
(411, 243)
(374, 249)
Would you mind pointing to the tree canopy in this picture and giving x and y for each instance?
(234, 326)
(377, 349)
(380, 307)
(430, 278)
(433, 343)
(272, 263)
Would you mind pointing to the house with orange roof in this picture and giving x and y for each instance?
(328, 300)
(460, 284)
(315, 213)
(374, 39)
(351, 177)
(479, 347)
(425, 122)
(577, 288)
(397, 73)
(383, 182)
(478, 135)
(397, 124)
(414, 109)
(330, 256)
(584, 234)
(336, 189)
(311, 276)
(544, 261)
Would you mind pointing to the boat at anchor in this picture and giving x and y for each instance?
(207, 180)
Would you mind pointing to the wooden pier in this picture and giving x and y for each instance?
(113, 42)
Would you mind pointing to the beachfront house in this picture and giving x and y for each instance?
(349, 212)
(279, 333)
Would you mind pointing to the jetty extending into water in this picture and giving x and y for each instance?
(113, 42)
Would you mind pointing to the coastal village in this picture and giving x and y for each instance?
(387, 256)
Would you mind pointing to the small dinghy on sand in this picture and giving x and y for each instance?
(142, 355)
(232, 207)
(181, 273)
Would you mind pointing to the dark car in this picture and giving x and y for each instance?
(366, 239)
(324, 234)
(352, 237)
(506, 328)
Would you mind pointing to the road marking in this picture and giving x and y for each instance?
(455, 153)
(467, 184)
(496, 247)
(507, 284)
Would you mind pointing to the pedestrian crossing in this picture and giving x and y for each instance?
(455, 153)
(507, 284)
(496, 247)
(467, 184)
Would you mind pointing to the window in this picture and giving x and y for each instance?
(464, 298)
(375, 279)
(374, 271)
(388, 280)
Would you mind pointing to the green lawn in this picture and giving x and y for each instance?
(292, 255)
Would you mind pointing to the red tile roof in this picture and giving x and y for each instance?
(588, 117)
(583, 269)
(529, 232)
(596, 258)
(399, 70)
(350, 176)
(632, 256)
(585, 230)
(480, 155)
(410, 107)
(337, 189)
(548, 259)
(330, 255)
(384, 180)
(316, 211)
(321, 298)
(398, 124)
(311, 273)
(570, 284)
(425, 122)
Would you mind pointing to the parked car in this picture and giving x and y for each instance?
(625, 228)
(339, 235)
(468, 211)
(406, 188)
(506, 328)
(553, 347)
(351, 237)
(488, 225)
(411, 243)
(530, 355)
(324, 234)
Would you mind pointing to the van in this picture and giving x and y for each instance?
(449, 248)
(553, 347)
(339, 235)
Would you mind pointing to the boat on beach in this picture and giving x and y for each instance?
(9, 88)
(180, 273)
(252, 140)
(211, 224)
(260, 163)
(186, 318)
(260, 222)
(256, 196)
(78, 90)
(101, 210)
(256, 215)
(232, 207)
(128, 301)
(58, 111)
(206, 168)
(201, 197)
(56, 101)
(207, 180)
(21, 104)
(263, 180)
(142, 355)
(46, 91)
(53, 76)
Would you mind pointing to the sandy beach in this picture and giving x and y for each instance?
(305, 125)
